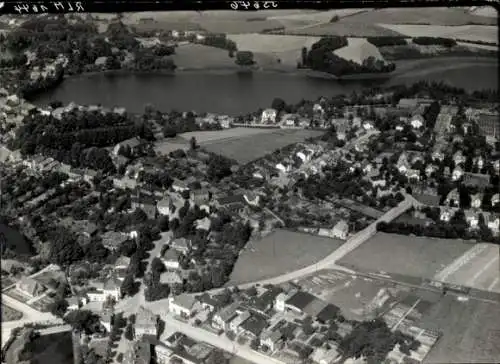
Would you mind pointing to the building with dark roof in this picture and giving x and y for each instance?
(328, 313)
(254, 325)
(299, 301)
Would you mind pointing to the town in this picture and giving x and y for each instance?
(341, 229)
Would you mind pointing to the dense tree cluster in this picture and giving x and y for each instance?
(244, 58)
(373, 340)
(219, 41)
(322, 58)
(79, 137)
(386, 41)
(455, 229)
(446, 42)
(83, 321)
(218, 167)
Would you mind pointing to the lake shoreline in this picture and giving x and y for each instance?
(308, 73)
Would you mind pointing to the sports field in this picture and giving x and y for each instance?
(478, 268)
(406, 255)
(471, 331)
(249, 148)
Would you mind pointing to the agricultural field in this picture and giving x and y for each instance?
(473, 33)
(10, 314)
(345, 27)
(268, 48)
(196, 56)
(471, 331)
(424, 16)
(357, 50)
(271, 43)
(479, 269)
(278, 253)
(405, 255)
(247, 149)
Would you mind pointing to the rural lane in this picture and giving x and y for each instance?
(222, 342)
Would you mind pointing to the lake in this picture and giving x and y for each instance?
(233, 94)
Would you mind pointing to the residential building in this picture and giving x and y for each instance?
(235, 324)
(30, 287)
(476, 200)
(457, 173)
(458, 157)
(340, 230)
(478, 180)
(446, 214)
(299, 301)
(489, 124)
(146, 203)
(235, 203)
(222, 318)
(163, 353)
(171, 259)
(182, 245)
(170, 277)
(271, 339)
(127, 146)
(110, 288)
(417, 121)
(326, 356)
(200, 197)
(453, 198)
(429, 169)
(472, 219)
(180, 186)
(125, 183)
(138, 353)
(181, 305)
(268, 116)
(289, 120)
(328, 313)
(495, 199)
(146, 323)
(203, 224)
(253, 326)
(493, 222)
(208, 302)
(283, 167)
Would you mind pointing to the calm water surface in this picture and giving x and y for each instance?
(237, 94)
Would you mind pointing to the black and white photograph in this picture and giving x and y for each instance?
(272, 186)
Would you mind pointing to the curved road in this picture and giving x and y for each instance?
(131, 305)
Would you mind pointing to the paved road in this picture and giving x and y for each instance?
(54, 330)
(352, 243)
(30, 315)
(328, 262)
(222, 342)
(131, 304)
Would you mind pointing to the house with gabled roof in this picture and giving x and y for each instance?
(452, 198)
(146, 323)
(30, 287)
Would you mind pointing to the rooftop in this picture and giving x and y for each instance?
(300, 300)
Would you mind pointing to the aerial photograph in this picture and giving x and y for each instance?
(250, 187)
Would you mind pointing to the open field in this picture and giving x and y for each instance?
(10, 314)
(347, 28)
(271, 43)
(247, 149)
(352, 294)
(406, 255)
(197, 56)
(471, 331)
(208, 137)
(358, 50)
(424, 16)
(466, 32)
(480, 270)
(280, 252)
